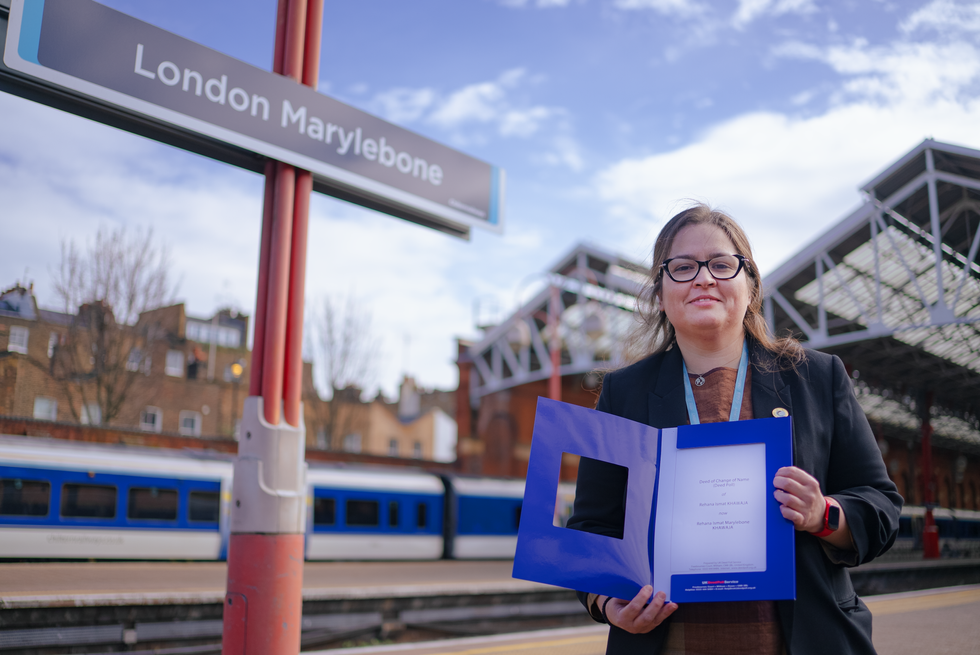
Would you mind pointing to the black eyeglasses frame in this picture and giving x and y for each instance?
(741, 264)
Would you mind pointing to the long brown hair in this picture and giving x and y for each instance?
(654, 333)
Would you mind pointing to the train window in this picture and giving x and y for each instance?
(421, 518)
(151, 503)
(517, 517)
(324, 511)
(90, 501)
(24, 497)
(393, 514)
(204, 506)
(362, 512)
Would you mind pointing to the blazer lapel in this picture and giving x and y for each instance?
(769, 391)
(667, 406)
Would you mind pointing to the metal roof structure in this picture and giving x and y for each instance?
(894, 290)
(597, 297)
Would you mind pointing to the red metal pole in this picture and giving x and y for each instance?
(261, 293)
(265, 245)
(930, 532)
(264, 601)
(278, 294)
(314, 31)
(293, 380)
(554, 382)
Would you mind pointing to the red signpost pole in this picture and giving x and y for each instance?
(930, 531)
(554, 317)
(264, 601)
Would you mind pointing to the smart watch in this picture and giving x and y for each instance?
(831, 520)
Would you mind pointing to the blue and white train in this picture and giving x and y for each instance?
(65, 500)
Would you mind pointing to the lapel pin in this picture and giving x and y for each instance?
(780, 412)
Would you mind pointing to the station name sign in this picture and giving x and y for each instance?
(104, 54)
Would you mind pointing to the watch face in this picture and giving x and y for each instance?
(833, 517)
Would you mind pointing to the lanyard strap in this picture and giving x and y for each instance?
(743, 367)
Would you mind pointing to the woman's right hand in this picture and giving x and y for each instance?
(636, 616)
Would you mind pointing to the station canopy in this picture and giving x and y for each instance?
(894, 290)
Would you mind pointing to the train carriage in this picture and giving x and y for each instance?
(368, 514)
(64, 500)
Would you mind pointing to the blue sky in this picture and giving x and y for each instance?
(606, 115)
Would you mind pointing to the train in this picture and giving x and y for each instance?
(69, 500)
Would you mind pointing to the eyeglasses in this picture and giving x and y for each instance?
(721, 268)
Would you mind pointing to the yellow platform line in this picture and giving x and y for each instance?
(919, 603)
(554, 643)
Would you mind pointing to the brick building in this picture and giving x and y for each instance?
(183, 375)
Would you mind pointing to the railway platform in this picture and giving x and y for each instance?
(100, 607)
(936, 621)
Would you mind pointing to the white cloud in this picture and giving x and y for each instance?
(788, 177)
(750, 10)
(680, 8)
(483, 102)
(403, 105)
(518, 122)
(543, 4)
(944, 16)
(902, 72)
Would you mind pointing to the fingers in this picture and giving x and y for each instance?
(800, 499)
(642, 614)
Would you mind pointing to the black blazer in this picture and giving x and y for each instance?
(832, 441)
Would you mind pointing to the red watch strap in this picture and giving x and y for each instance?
(826, 531)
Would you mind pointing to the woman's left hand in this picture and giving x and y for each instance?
(800, 500)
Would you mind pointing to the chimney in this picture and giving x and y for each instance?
(408, 399)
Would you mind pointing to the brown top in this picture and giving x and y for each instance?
(750, 627)
(714, 398)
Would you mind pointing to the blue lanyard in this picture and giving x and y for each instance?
(743, 367)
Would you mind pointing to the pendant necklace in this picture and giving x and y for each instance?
(692, 408)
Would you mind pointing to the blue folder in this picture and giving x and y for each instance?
(609, 566)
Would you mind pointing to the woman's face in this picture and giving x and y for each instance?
(705, 307)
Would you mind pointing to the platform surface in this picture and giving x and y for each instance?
(938, 622)
(110, 583)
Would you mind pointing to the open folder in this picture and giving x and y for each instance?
(701, 521)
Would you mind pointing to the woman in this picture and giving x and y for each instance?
(707, 311)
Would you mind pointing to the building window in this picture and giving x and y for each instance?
(52, 344)
(151, 419)
(45, 409)
(175, 363)
(133, 361)
(417, 450)
(321, 439)
(91, 414)
(18, 339)
(393, 447)
(352, 443)
(190, 423)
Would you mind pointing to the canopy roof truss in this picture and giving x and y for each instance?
(597, 295)
(894, 288)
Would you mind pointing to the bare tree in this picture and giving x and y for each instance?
(345, 353)
(110, 283)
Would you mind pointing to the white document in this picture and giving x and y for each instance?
(711, 510)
